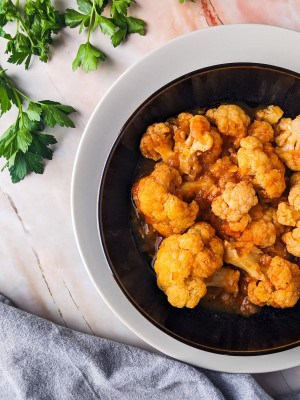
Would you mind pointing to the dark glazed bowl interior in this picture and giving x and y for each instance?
(268, 331)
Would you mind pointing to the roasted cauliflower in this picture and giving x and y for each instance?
(294, 194)
(280, 288)
(205, 187)
(224, 170)
(287, 138)
(235, 202)
(262, 230)
(262, 164)
(288, 213)
(193, 140)
(271, 114)
(292, 242)
(211, 155)
(184, 261)
(262, 130)
(222, 192)
(155, 196)
(245, 256)
(157, 143)
(231, 120)
(225, 278)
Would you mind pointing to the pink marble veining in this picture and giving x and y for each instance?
(40, 266)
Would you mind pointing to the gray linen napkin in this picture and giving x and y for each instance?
(41, 360)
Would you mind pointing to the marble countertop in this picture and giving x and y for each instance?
(41, 270)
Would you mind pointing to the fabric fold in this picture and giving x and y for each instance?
(41, 360)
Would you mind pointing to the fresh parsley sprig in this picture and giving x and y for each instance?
(118, 26)
(35, 25)
(24, 145)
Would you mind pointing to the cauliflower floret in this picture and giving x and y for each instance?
(184, 261)
(204, 187)
(287, 138)
(225, 170)
(234, 229)
(245, 256)
(292, 242)
(235, 202)
(271, 114)
(154, 197)
(184, 142)
(262, 130)
(262, 233)
(190, 142)
(211, 155)
(231, 120)
(266, 213)
(287, 215)
(294, 195)
(157, 143)
(295, 179)
(281, 289)
(262, 230)
(263, 165)
(167, 177)
(200, 138)
(226, 278)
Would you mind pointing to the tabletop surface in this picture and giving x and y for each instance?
(41, 270)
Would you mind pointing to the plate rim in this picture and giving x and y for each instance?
(114, 298)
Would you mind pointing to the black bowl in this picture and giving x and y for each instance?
(270, 330)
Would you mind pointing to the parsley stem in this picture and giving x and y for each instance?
(25, 30)
(27, 98)
(18, 101)
(91, 20)
(17, 7)
(21, 22)
(23, 95)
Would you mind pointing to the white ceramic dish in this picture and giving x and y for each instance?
(212, 46)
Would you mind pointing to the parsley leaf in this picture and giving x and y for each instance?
(55, 113)
(135, 25)
(107, 25)
(118, 37)
(85, 6)
(88, 57)
(36, 24)
(34, 111)
(40, 143)
(23, 144)
(74, 18)
(118, 27)
(120, 6)
(126, 25)
(5, 104)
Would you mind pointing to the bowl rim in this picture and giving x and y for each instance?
(230, 43)
(187, 76)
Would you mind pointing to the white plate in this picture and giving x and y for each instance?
(218, 45)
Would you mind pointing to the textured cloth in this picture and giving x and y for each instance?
(41, 360)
